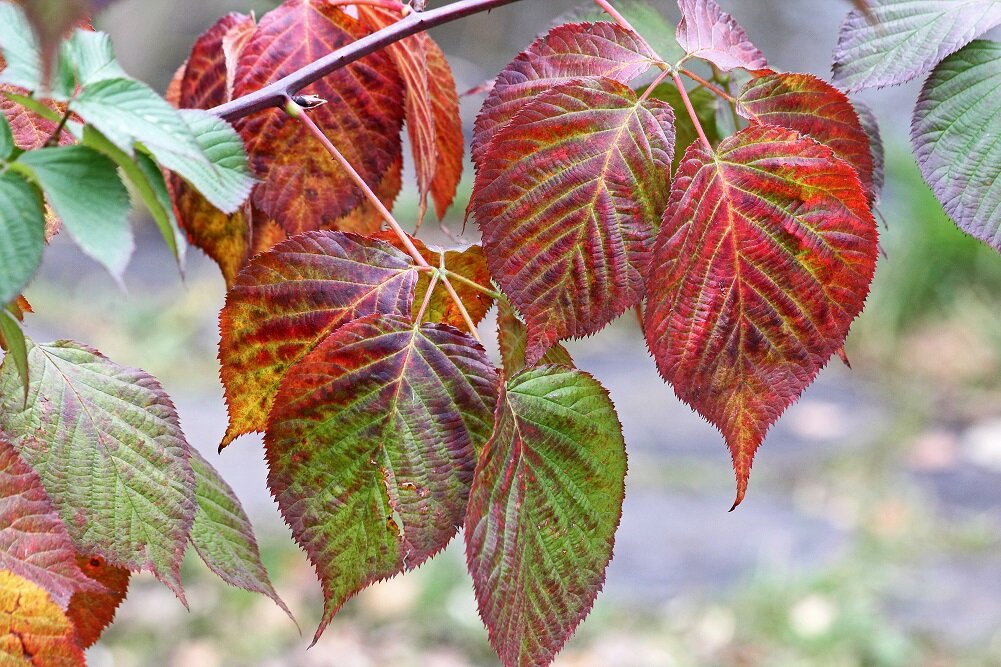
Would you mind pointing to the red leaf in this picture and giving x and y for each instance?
(432, 110)
(303, 187)
(568, 198)
(203, 85)
(288, 300)
(512, 338)
(34, 543)
(804, 103)
(92, 612)
(764, 259)
(568, 52)
(372, 444)
(709, 33)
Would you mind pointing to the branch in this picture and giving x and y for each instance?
(275, 94)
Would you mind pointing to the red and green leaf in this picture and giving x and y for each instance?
(108, 448)
(34, 631)
(512, 339)
(303, 188)
(545, 503)
(764, 259)
(34, 543)
(804, 103)
(371, 448)
(566, 53)
(92, 612)
(709, 33)
(288, 300)
(568, 199)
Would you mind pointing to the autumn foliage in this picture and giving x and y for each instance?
(603, 184)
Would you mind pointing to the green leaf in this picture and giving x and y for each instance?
(20, 49)
(129, 112)
(371, 447)
(107, 445)
(512, 339)
(14, 343)
(84, 189)
(545, 503)
(222, 535)
(147, 179)
(22, 235)
(88, 57)
(229, 183)
(7, 145)
(955, 132)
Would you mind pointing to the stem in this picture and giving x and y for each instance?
(292, 109)
(691, 112)
(275, 94)
(473, 284)
(616, 16)
(54, 139)
(716, 90)
(653, 86)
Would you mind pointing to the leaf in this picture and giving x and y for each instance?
(568, 199)
(900, 40)
(546, 500)
(303, 188)
(13, 342)
(87, 58)
(567, 52)
(804, 103)
(20, 50)
(647, 19)
(84, 189)
(512, 337)
(91, 612)
(22, 235)
(371, 448)
(33, 629)
(106, 443)
(709, 33)
(450, 140)
(955, 135)
(288, 300)
(29, 129)
(33, 541)
(222, 534)
(127, 111)
(705, 105)
(764, 259)
(204, 83)
(7, 145)
(470, 263)
(871, 126)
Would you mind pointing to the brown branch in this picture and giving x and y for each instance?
(275, 94)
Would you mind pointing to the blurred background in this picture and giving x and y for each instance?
(872, 532)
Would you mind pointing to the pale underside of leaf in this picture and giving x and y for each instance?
(107, 446)
(957, 138)
(546, 500)
(764, 259)
(709, 33)
(288, 300)
(568, 199)
(899, 40)
(371, 447)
